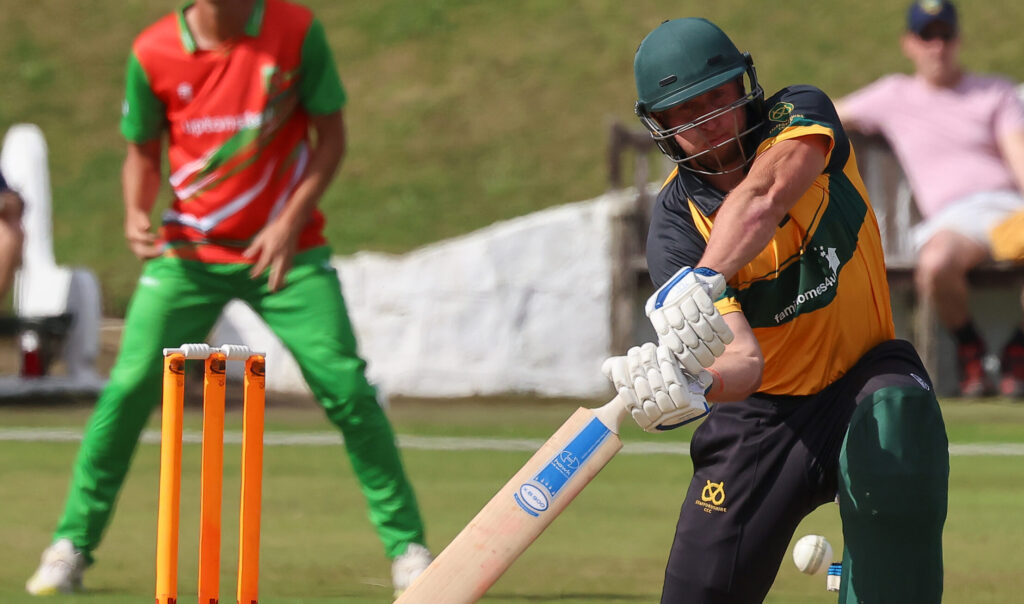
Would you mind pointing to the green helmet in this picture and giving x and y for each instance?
(681, 60)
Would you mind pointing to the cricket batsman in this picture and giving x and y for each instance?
(248, 99)
(772, 296)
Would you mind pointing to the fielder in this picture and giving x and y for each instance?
(788, 311)
(247, 95)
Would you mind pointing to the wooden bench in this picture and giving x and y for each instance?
(897, 214)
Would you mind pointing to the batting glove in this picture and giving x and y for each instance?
(684, 315)
(658, 393)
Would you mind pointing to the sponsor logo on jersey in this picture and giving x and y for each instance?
(216, 124)
(832, 258)
(185, 92)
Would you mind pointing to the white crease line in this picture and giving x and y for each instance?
(438, 443)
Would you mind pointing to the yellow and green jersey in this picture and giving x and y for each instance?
(236, 120)
(817, 296)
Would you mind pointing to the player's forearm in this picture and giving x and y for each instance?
(744, 226)
(753, 210)
(735, 377)
(323, 165)
(737, 373)
(140, 178)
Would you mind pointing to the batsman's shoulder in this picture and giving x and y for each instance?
(799, 95)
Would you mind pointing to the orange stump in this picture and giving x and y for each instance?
(252, 481)
(211, 480)
(168, 509)
(211, 472)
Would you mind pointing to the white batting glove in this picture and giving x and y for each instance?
(684, 315)
(658, 393)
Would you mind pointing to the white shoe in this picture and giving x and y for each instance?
(408, 566)
(59, 572)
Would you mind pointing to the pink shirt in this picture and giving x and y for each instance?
(946, 139)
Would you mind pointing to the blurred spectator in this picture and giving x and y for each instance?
(11, 235)
(959, 137)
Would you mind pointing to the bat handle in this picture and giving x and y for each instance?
(612, 413)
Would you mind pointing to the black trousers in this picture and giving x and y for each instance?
(762, 465)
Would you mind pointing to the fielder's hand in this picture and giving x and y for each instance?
(139, 234)
(684, 315)
(658, 393)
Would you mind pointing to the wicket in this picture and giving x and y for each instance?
(211, 471)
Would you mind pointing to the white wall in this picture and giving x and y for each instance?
(519, 306)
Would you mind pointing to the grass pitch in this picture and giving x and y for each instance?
(609, 546)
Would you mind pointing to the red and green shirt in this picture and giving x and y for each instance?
(237, 122)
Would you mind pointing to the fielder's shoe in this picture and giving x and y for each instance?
(408, 566)
(1012, 382)
(59, 572)
(973, 380)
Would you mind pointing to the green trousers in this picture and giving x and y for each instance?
(178, 301)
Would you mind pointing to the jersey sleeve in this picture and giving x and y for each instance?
(142, 113)
(320, 87)
(802, 111)
(673, 240)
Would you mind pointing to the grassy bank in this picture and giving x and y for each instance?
(461, 112)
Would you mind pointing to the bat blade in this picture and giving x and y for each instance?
(521, 509)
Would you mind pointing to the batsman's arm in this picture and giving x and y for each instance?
(748, 218)
(737, 373)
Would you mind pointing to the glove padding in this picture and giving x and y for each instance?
(684, 315)
(658, 393)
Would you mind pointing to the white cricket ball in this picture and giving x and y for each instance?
(812, 554)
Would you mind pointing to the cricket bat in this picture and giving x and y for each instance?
(522, 509)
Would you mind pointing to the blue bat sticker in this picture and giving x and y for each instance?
(535, 496)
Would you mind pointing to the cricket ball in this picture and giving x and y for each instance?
(812, 554)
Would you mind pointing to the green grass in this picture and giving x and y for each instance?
(610, 546)
(461, 113)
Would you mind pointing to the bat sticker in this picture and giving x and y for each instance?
(535, 496)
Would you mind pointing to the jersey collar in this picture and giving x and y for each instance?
(252, 26)
(706, 197)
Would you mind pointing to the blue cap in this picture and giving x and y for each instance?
(924, 12)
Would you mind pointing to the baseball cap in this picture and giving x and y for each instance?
(924, 12)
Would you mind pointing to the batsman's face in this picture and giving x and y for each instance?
(713, 123)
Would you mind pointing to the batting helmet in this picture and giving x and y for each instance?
(681, 60)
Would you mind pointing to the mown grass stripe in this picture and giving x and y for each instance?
(439, 443)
